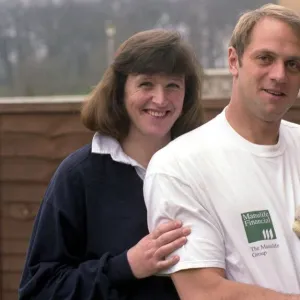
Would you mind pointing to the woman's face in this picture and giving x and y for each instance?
(154, 103)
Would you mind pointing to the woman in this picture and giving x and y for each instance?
(90, 239)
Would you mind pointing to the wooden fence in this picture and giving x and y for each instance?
(35, 137)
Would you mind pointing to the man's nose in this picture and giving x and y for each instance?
(278, 72)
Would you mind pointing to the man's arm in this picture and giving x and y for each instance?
(210, 284)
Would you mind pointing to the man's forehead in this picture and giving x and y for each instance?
(273, 27)
(280, 38)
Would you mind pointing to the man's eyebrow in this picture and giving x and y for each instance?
(295, 57)
(267, 51)
(264, 51)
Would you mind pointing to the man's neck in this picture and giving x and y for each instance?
(142, 148)
(251, 128)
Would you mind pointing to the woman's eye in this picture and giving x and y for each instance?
(173, 85)
(146, 84)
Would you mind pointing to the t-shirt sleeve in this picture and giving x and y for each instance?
(169, 197)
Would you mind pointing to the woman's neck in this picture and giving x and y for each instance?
(142, 148)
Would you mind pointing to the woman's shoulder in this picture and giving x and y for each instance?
(84, 163)
(77, 158)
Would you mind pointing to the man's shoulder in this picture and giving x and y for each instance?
(290, 125)
(198, 139)
(291, 129)
(196, 143)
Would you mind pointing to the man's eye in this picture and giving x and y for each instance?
(265, 59)
(293, 65)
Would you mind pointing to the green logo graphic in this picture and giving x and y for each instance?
(258, 226)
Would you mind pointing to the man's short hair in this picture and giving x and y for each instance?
(241, 35)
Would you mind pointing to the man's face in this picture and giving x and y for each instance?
(268, 80)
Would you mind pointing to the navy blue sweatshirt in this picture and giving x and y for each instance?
(93, 211)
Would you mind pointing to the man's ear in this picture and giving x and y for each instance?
(233, 61)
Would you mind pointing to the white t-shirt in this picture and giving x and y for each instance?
(238, 198)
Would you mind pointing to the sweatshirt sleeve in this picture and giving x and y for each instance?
(55, 267)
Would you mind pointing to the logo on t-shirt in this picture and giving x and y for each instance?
(258, 226)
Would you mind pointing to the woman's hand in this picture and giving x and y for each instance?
(151, 254)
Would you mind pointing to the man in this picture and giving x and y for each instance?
(236, 180)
